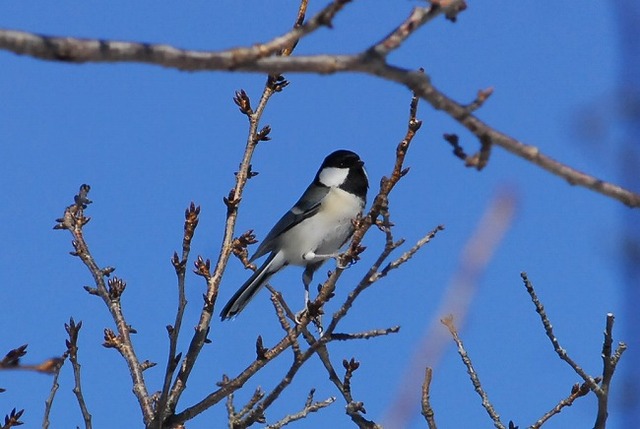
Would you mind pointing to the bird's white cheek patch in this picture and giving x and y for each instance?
(333, 176)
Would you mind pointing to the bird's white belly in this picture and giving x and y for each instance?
(326, 231)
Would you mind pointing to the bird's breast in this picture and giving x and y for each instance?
(326, 231)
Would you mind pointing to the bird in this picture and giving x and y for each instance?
(313, 230)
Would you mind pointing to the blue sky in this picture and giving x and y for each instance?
(151, 140)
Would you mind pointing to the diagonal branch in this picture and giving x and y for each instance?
(475, 380)
(548, 328)
(260, 58)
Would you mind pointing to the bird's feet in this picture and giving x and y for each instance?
(314, 314)
(313, 256)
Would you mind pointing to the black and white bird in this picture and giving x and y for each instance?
(315, 228)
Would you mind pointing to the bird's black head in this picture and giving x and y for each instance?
(344, 169)
(342, 159)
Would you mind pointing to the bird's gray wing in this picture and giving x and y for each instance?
(307, 205)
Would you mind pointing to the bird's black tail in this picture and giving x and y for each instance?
(249, 289)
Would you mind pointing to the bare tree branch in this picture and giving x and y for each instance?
(48, 403)
(259, 58)
(599, 385)
(448, 322)
(548, 328)
(73, 329)
(609, 361)
(427, 411)
(180, 266)
(74, 221)
(309, 407)
(577, 391)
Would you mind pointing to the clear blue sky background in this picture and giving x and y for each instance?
(150, 140)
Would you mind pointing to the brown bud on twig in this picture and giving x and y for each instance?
(239, 248)
(176, 262)
(73, 330)
(13, 419)
(263, 134)
(146, 365)
(116, 288)
(231, 201)
(111, 340)
(203, 267)
(277, 83)
(191, 221)
(242, 101)
(91, 290)
(12, 359)
(350, 366)
(261, 351)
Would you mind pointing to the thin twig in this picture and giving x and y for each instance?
(309, 407)
(609, 362)
(180, 267)
(373, 333)
(74, 221)
(548, 328)
(475, 380)
(48, 404)
(274, 84)
(73, 329)
(577, 391)
(427, 411)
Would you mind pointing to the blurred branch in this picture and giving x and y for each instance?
(473, 261)
(11, 361)
(448, 322)
(74, 221)
(262, 58)
(75, 50)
